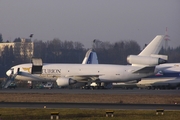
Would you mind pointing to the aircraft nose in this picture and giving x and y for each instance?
(8, 73)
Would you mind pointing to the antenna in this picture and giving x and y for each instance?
(166, 38)
(96, 43)
(30, 36)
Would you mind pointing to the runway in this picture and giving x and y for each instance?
(101, 91)
(90, 105)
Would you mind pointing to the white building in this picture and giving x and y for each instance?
(25, 47)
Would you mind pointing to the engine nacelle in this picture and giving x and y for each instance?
(63, 81)
(145, 60)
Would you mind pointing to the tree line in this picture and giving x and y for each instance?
(57, 51)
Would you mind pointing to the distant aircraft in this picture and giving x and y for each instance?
(164, 79)
(143, 65)
(90, 57)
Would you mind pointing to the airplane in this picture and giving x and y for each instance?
(167, 78)
(143, 65)
(90, 58)
(164, 79)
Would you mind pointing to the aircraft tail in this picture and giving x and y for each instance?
(90, 57)
(149, 58)
(153, 47)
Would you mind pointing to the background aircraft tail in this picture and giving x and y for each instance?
(90, 57)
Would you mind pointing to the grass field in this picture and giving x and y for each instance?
(84, 114)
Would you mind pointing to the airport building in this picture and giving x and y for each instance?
(22, 47)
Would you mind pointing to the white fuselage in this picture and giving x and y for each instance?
(105, 73)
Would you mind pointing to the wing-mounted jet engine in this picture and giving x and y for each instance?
(63, 81)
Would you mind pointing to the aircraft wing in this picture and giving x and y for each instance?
(147, 69)
(150, 69)
(92, 77)
(25, 74)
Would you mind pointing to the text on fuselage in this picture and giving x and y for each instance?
(51, 71)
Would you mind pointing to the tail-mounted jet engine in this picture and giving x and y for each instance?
(145, 60)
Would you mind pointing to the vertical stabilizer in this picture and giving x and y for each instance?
(153, 47)
(90, 57)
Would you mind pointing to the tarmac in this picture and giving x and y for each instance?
(91, 105)
(95, 91)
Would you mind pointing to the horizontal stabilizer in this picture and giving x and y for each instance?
(164, 57)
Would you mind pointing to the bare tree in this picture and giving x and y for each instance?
(1, 38)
